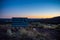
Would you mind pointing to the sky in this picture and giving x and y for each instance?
(30, 8)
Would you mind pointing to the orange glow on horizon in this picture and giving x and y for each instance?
(41, 16)
(33, 16)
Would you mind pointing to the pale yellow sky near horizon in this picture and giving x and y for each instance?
(43, 16)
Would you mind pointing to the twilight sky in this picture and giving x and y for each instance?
(30, 8)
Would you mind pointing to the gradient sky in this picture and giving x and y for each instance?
(30, 8)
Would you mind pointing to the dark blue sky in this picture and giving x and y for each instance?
(30, 8)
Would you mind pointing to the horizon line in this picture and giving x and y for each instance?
(30, 17)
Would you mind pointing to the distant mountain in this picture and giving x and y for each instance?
(54, 20)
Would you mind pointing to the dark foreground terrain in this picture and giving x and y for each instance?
(47, 34)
